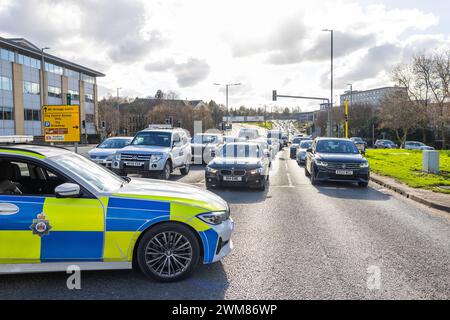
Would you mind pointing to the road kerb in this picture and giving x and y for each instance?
(408, 194)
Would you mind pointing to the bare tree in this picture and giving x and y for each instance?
(401, 115)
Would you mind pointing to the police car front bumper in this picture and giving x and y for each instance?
(224, 244)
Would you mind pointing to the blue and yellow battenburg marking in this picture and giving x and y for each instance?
(79, 229)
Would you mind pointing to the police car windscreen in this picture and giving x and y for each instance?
(151, 138)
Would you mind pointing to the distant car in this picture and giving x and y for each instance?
(360, 143)
(204, 147)
(264, 146)
(294, 146)
(276, 134)
(385, 144)
(301, 151)
(232, 139)
(339, 160)
(104, 153)
(238, 165)
(249, 133)
(416, 145)
(274, 145)
(285, 139)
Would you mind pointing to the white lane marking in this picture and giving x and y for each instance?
(288, 175)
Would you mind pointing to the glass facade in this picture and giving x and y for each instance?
(54, 92)
(31, 88)
(5, 83)
(53, 68)
(6, 55)
(28, 61)
(32, 115)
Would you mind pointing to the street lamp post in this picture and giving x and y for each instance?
(227, 85)
(330, 110)
(42, 75)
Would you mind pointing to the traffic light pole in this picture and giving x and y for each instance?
(275, 97)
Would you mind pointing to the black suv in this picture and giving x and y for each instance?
(339, 160)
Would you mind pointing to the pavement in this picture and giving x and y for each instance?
(293, 241)
(432, 199)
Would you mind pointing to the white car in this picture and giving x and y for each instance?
(104, 153)
(416, 145)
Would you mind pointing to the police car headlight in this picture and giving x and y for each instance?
(214, 218)
(321, 163)
(364, 164)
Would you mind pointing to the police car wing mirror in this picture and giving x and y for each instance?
(68, 190)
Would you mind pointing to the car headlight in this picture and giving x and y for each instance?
(155, 157)
(117, 156)
(364, 164)
(321, 163)
(214, 218)
(211, 170)
(257, 171)
(110, 157)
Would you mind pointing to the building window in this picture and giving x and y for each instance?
(75, 95)
(6, 113)
(31, 88)
(32, 115)
(6, 55)
(54, 92)
(87, 78)
(53, 68)
(28, 61)
(89, 118)
(72, 74)
(5, 83)
(89, 97)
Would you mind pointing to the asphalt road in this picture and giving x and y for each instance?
(294, 241)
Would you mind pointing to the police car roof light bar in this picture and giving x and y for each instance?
(15, 139)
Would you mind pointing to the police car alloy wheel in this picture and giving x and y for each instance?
(168, 252)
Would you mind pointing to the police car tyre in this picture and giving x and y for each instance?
(184, 171)
(168, 252)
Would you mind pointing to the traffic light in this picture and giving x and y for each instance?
(83, 124)
(103, 125)
(69, 99)
(274, 95)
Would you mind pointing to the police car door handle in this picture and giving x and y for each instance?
(8, 209)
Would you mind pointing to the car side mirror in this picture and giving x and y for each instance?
(268, 154)
(363, 152)
(68, 190)
(309, 150)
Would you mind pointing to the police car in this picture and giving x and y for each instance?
(59, 209)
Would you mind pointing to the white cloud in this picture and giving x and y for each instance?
(188, 45)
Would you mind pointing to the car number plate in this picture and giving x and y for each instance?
(344, 172)
(134, 164)
(232, 178)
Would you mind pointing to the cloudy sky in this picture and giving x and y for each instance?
(187, 45)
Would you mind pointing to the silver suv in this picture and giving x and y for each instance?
(160, 150)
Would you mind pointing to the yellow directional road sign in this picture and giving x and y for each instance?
(61, 123)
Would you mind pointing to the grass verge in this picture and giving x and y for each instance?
(406, 166)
